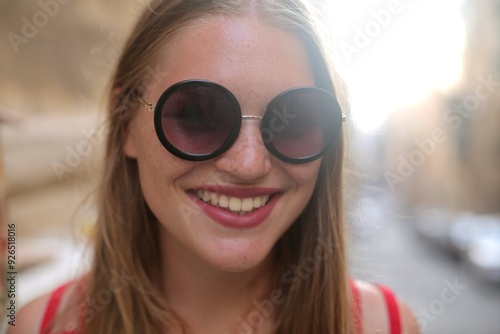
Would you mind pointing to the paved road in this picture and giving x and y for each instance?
(447, 298)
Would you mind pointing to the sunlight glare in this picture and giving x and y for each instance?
(418, 52)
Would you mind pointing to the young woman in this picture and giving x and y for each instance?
(221, 202)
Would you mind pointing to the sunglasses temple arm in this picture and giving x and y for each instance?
(148, 106)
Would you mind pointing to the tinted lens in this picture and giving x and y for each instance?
(301, 123)
(198, 118)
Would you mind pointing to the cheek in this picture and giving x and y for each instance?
(141, 137)
(158, 169)
(304, 178)
(159, 176)
(308, 186)
(306, 175)
(143, 144)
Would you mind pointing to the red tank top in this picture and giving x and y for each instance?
(51, 310)
(390, 300)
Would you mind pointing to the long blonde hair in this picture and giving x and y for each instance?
(126, 239)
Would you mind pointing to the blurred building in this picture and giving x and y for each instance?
(56, 61)
(445, 152)
(477, 139)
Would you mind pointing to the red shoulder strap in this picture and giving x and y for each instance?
(52, 306)
(356, 307)
(392, 309)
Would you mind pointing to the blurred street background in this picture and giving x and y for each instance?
(423, 201)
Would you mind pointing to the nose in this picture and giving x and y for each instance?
(247, 159)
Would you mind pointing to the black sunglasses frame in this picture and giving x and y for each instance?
(265, 120)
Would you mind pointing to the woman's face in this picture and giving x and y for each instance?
(255, 62)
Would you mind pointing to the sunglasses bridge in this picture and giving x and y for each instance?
(252, 117)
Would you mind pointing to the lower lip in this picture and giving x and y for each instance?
(229, 219)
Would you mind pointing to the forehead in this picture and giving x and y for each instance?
(236, 52)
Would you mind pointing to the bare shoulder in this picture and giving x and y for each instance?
(375, 314)
(29, 318)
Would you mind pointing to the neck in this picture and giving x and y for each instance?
(204, 296)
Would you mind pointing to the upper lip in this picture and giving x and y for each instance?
(239, 192)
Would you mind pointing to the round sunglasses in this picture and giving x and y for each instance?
(199, 120)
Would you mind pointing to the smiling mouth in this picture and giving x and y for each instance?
(235, 205)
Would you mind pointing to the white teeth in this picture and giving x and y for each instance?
(223, 201)
(247, 204)
(235, 204)
(214, 199)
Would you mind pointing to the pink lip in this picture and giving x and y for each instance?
(229, 219)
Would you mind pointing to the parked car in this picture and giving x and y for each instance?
(472, 238)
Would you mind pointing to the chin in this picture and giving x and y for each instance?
(238, 255)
